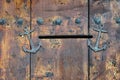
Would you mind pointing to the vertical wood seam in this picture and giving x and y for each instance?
(30, 37)
(87, 42)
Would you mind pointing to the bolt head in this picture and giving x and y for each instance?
(40, 21)
(97, 20)
(78, 21)
(20, 21)
(57, 21)
(2, 21)
(117, 20)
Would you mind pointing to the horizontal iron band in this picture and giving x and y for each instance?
(63, 36)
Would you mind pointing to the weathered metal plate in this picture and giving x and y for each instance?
(59, 59)
(105, 65)
(66, 10)
(14, 63)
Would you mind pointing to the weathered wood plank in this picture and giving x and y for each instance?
(67, 10)
(66, 59)
(105, 65)
(14, 63)
(59, 59)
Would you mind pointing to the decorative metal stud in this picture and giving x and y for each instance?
(77, 20)
(40, 21)
(57, 22)
(97, 20)
(2, 21)
(117, 20)
(19, 22)
(33, 48)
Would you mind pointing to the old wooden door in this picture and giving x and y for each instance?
(22, 21)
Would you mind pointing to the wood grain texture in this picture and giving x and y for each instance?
(105, 65)
(58, 59)
(14, 63)
(67, 10)
(63, 59)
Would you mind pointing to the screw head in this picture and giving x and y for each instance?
(117, 20)
(20, 22)
(2, 21)
(40, 21)
(57, 21)
(78, 21)
(97, 20)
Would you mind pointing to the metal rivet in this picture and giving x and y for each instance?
(57, 21)
(78, 21)
(20, 22)
(97, 20)
(117, 20)
(2, 21)
(40, 21)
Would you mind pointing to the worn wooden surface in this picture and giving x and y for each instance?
(59, 59)
(105, 65)
(65, 58)
(14, 63)
(67, 10)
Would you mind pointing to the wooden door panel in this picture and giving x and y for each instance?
(59, 59)
(66, 11)
(105, 65)
(14, 63)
